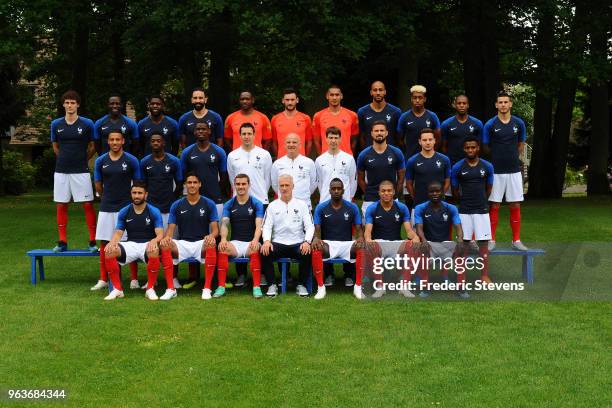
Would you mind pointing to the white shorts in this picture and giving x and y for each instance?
(478, 225)
(188, 249)
(443, 249)
(107, 222)
(389, 248)
(340, 250)
(134, 251)
(241, 248)
(76, 186)
(509, 185)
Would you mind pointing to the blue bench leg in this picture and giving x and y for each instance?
(33, 270)
(283, 277)
(41, 268)
(530, 269)
(309, 282)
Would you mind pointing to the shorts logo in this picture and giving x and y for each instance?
(147, 221)
(165, 130)
(123, 128)
(438, 163)
(124, 166)
(445, 217)
(397, 217)
(202, 212)
(390, 159)
(388, 117)
(167, 167)
(212, 158)
(346, 216)
(471, 129)
(79, 130)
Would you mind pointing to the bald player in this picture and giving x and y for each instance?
(378, 110)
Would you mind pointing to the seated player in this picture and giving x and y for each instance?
(287, 232)
(472, 180)
(384, 221)
(334, 221)
(433, 220)
(244, 214)
(143, 224)
(198, 228)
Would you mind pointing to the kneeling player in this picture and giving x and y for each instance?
(244, 213)
(143, 224)
(433, 220)
(198, 228)
(384, 221)
(334, 221)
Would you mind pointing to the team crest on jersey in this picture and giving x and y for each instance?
(295, 211)
(124, 166)
(250, 210)
(397, 217)
(515, 129)
(445, 217)
(165, 130)
(471, 129)
(346, 216)
(148, 221)
(212, 158)
(390, 159)
(388, 117)
(298, 124)
(428, 122)
(123, 128)
(301, 167)
(209, 123)
(482, 173)
(167, 167)
(438, 163)
(343, 163)
(202, 212)
(257, 158)
(344, 121)
(79, 130)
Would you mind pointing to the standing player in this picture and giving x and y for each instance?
(209, 162)
(114, 173)
(157, 122)
(335, 163)
(334, 221)
(115, 120)
(425, 167)
(379, 109)
(505, 134)
(433, 220)
(300, 167)
(200, 114)
(287, 233)
(142, 223)
(472, 180)
(414, 120)
(289, 121)
(338, 116)
(384, 221)
(198, 228)
(247, 114)
(244, 214)
(72, 140)
(164, 177)
(379, 162)
(457, 128)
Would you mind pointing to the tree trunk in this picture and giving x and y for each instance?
(80, 51)
(539, 170)
(220, 91)
(407, 75)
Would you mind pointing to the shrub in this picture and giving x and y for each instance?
(18, 173)
(44, 167)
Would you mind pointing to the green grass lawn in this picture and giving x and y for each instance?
(289, 351)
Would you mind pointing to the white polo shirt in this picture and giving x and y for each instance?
(341, 165)
(288, 223)
(304, 174)
(256, 164)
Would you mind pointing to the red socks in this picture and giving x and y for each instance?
(317, 266)
(134, 270)
(62, 220)
(103, 273)
(166, 260)
(90, 219)
(515, 223)
(256, 268)
(210, 260)
(494, 217)
(152, 270)
(359, 264)
(113, 272)
(222, 265)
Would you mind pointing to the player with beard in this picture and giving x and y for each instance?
(247, 114)
(200, 114)
(290, 121)
(115, 121)
(158, 123)
(379, 109)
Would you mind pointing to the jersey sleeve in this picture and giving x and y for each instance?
(98, 169)
(405, 212)
(522, 130)
(259, 208)
(181, 125)
(316, 128)
(218, 129)
(436, 121)
(96, 128)
(172, 213)
(418, 214)
(184, 162)
(354, 124)
(90, 129)
(361, 160)
(352, 176)
(53, 135)
(401, 124)
(121, 217)
(317, 214)
(274, 177)
(485, 131)
(157, 218)
(136, 174)
(491, 171)
(222, 158)
(444, 129)
(360, 118)
(227, 208)
(479, 128)
(401, 161)
(308, 130)
(142, 165)
(174, 125)
(447, 166)
(454, 214)
(267, 128)
(227, 128)
(410, 168)
(314, 181)
(133, 128)
(356, 214)
(455, 173)
(369, 215)
(213, 210)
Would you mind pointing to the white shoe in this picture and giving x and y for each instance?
(134, 284)
(301, 290)
(357, 292)
(151, 295)
(206, 295)
(272, 291)
(144, 287)
(378, 294)
(519, 246)
(321, 292)
(100, 285)
(491, 245)
(408, 294)
(177, 284)
(169, 294)
(115, 293)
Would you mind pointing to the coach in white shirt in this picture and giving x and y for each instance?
(253, 161)
(287, 233)
(300, 167)
(335, 163)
